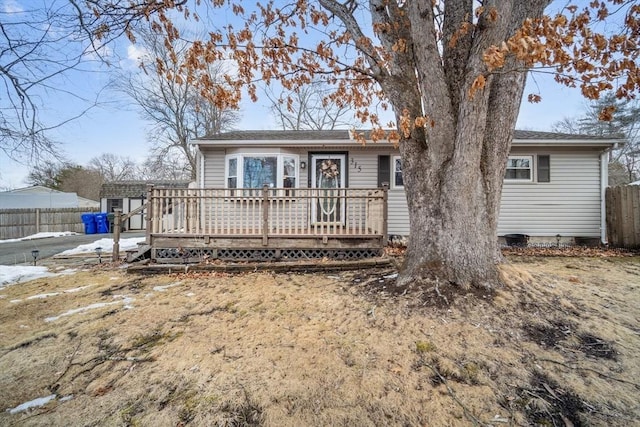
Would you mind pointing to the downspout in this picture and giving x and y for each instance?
(604, 179)
(604, 182)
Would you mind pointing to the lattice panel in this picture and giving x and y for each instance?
(342, 254)
(184, 253)
(247, 254)
(193, 255)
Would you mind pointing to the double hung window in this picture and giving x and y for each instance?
(397, 178)
(519, 168)
(251, 172)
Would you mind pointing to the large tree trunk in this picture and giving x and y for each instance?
(454, 166)
(453, 170)
(454, 197)
(452, 228)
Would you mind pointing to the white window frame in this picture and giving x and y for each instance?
(393, 172)
(531, 168)
(279, 168)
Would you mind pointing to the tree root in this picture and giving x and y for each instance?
(95, 362)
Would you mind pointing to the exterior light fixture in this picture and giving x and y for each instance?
(34, 254)
(303, 165)
(99, 253)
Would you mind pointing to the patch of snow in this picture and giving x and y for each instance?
(164, 288)
(78, 289)
(106, 244)
(67, 272)
(65, 398)
(391, 276)
(51, 294)
(35, 403)
(126, 301)
(11, 274)
(191, 294)
(43, 235)
(43, 296)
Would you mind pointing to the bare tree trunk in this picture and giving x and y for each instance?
(454, 202)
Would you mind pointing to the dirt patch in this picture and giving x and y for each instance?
(549, 335)
(545, 402)
(558, 344)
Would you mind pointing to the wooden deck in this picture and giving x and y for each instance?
(191, 225)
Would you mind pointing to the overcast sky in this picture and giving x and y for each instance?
(115, 126)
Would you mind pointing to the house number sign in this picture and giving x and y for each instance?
(355, 165)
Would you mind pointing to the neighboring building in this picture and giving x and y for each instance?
(554, 183)
(130, 195)
(42, 197)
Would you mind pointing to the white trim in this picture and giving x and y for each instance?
(529, 157)
(393, 173)
(384, 144)
(202, 174)
(568, 142)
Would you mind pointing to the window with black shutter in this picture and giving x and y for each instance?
(544, 168)
(384, 170)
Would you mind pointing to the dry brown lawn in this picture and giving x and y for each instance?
(558, 346)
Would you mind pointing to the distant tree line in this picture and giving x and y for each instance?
(86, 180)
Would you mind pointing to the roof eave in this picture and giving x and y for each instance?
(385, 144)
(569, 142)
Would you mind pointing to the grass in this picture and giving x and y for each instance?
(559, 344)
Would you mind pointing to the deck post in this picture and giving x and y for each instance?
(385, 213)
(150, 214)
(265, 215)
(117, 219)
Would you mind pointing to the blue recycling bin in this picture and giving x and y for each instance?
(89, 221)
(102, 222)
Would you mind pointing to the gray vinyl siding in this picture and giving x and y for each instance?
(569, 205)
(214, 168)
(367, 177)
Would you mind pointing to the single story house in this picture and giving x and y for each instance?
(302, 194)
(554, 184)
(130, 195)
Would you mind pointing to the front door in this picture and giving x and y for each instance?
(328, 179)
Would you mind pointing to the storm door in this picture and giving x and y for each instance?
(328, 181)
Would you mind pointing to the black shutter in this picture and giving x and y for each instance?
(384, 170)
(544, 168)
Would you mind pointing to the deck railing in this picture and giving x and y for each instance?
(268, 212)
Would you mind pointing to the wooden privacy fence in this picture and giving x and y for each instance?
(17, 223)
(623, 216)
(268, 212)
